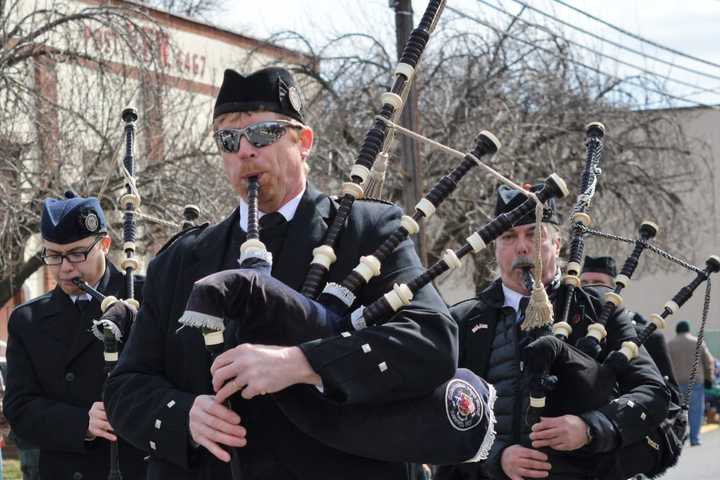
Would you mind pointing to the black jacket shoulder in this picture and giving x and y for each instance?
(461, 310)
(375, 209)
(178, 247)
(490, 298)
(24, 312)
(375, 200)
(37, 301)
(188, 233)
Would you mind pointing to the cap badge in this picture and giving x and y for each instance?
(91, 222)
(295, 99)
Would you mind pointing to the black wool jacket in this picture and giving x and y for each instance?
(163, 369)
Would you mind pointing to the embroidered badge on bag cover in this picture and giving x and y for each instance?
(463, 405)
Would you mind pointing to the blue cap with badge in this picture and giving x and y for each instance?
(72, 218)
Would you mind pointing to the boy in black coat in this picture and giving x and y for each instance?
(55, 364)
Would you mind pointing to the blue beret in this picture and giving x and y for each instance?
(271, 89)
(71, 218)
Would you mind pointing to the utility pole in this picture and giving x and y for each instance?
(409, 152)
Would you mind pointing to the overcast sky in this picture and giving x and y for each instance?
(690, 26)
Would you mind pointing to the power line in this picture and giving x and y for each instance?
(636, 36)
(696, 92)
(576, 62)
(613, 43)
(597, 52)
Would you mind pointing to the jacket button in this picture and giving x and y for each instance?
(77, 476)
(69, 377)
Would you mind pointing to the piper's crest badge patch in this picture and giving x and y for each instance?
(92, 222)
(463, 405)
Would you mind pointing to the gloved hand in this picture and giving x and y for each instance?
(122, 314)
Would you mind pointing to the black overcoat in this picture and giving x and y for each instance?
(163, 369)
(55, 373)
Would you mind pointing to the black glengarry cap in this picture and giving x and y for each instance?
(509, 198)
(271, 89)
(604, 265)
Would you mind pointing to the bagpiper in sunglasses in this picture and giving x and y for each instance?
(258, 135)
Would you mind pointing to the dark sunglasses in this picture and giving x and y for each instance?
(72, 257)
(258, 135)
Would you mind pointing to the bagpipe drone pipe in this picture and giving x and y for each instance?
(118, 315)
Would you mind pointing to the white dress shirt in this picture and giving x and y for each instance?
(288, 210)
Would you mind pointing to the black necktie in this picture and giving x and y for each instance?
(521, 310)
(273, 229)
(272, 221)
(82, 305)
